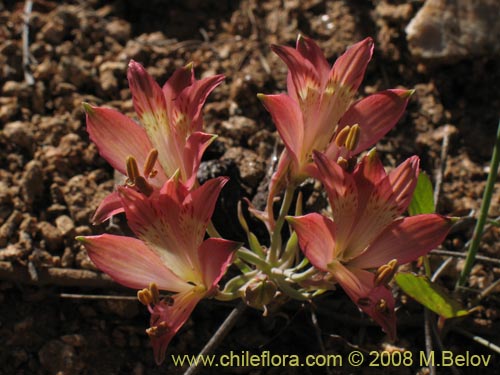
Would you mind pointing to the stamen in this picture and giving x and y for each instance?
(343, 163)
(155, 293)
(385, 273)
(342, 136)
(132, 169)
(150, 163)
(145, 297)
(143, 186)
(353, 138)
(159, 330)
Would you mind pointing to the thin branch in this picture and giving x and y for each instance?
(97, 297)
(455, 254)
(442, 166)
(218, 336)
(477, 339)
(28, 77)
(56, 276)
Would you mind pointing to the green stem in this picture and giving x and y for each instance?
(252, 258)
(273, 255)
(483, 213)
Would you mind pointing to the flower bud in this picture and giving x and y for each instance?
(260, 293)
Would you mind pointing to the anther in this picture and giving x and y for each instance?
(353, 138)
(145, 297)
(132, 169)
(155, 293)
(143, 186)
(385, 273)
(342, 136)
(158, 330)
(150, 163)
(343, 163)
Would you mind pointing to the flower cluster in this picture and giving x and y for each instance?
(358, 245)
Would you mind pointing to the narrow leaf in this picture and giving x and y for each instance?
(429, 294)
(423, 197)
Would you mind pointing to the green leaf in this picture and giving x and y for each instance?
(429, 294)
(423, 197)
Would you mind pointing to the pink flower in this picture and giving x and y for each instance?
(169, 254)
(317, 113)
(170, 132)
(367, 232)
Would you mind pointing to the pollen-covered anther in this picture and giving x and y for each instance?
(341, 138)
(386, 272)
(145, 296)
(158, 330)
(353, 137)
(343, 163)
(132, 170)
(155, 293)
(149, 171)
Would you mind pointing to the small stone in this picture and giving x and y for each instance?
(68, 258)
(51, 235)
(119, 29)
(56, 356)
(11, 252)
(32, 182)
(238, 128)
(9, 108)
(123, 308)
(19, 133)
(449, 30)
(83, 261)
(52, 32)
(74, 340)
(17, 89)
(65, 225)
(9, 227)
(252, 167)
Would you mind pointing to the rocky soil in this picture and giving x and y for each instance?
(59, 54)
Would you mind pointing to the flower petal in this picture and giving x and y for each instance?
(375, 115)
(403, 181)
(172, 317)
(130, 262)
(311, 51)
(195, 146)
(377, 302)
(178, 81)
(116, 136)
(111, 205)
(350, 67)
(149, 102)
(287, 117)
(216, 254)
(316, 235)
(405, 240)
(201, 203)
(195, 97)
(303, 76)
(157, 220)
(342, 195)
(382, 203)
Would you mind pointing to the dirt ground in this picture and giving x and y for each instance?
(52, 178)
